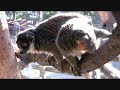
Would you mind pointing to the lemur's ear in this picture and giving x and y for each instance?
(30, 37)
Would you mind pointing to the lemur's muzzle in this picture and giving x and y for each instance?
(23, 51)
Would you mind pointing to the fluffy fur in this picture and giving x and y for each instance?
(42, 38)
(75, 38)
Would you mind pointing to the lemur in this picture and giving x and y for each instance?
(75, 38)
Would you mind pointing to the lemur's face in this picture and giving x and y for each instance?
(24, 40)
(85, 43)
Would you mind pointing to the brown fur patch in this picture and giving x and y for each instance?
(80, 48)
(80, 45)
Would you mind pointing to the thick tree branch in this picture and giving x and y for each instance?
(8, 63)
(104, 54)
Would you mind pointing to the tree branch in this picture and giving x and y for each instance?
(104, 54)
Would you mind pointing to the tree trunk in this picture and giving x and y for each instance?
(8, 63)
(14, 17)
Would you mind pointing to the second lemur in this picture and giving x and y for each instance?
(75, 38)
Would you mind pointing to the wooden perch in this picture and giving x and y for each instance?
(104, 54)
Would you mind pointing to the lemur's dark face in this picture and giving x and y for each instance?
(86, 42)
(24, 41)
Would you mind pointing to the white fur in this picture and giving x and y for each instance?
(32, 49)
(78, 53)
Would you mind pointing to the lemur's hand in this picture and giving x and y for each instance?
(15, 48)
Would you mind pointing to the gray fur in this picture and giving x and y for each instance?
(45, 34)
(75, 29)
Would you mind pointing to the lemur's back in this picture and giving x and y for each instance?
(49, 28)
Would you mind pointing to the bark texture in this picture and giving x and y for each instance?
(8, 63)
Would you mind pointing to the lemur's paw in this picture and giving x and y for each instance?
(49, 58)
(75, 71)
(59, 64)
(60, 67)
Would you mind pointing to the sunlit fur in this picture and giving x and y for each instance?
(75, 38)
(42, 37)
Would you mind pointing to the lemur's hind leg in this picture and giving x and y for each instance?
(59, 58)
(74, 66)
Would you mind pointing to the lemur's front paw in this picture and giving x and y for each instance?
(76, 71)
(48, 59)
(59, 64)
(60, 67)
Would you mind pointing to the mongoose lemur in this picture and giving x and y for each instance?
(75, 38)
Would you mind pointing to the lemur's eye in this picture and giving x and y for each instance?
(24, 44)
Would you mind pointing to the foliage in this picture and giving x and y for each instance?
(35, 14)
